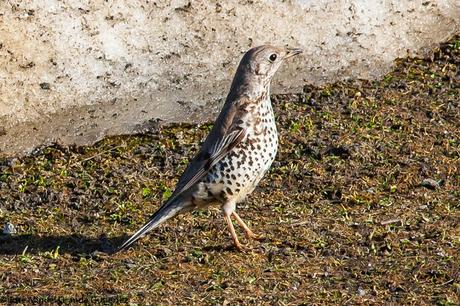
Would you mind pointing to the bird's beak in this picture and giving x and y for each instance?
(292, 51)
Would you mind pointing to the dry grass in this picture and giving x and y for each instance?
(343, 209)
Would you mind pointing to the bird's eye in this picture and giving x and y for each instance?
(272, 57)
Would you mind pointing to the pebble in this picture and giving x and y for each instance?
(361, 292)
(9, 229)
(430, 183)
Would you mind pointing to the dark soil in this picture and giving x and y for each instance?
(362, 205)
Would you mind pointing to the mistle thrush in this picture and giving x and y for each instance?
(237, 152)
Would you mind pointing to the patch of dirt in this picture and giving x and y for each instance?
(362, 205)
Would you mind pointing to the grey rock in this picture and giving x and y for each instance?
(9, 229)
(107, 69)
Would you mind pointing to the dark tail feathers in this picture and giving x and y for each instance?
(166, 212)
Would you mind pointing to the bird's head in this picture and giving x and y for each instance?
(256, 69)
(261, 63)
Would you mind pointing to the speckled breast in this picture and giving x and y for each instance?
(239, 172)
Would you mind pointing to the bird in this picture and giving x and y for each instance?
(238, 150)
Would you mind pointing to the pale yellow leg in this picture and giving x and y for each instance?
(249, 233)
(237, 243)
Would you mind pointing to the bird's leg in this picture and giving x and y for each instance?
(228, 209)
(237, 243)
(249, 233)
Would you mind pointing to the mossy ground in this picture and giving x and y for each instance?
(344, 213)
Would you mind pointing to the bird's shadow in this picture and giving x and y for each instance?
(75, 245)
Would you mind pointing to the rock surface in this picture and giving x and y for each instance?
(76, 71)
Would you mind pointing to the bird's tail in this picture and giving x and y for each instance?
(167, 211)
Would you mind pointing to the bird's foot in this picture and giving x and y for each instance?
(241, 248)
(253, 236)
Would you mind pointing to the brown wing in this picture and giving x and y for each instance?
(224, 136)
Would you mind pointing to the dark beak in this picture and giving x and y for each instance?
(292, 51)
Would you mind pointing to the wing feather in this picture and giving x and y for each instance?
(227, 144)
(225, 135)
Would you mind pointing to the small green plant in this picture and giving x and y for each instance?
(319, 243)
(24, 257)
(146, 192)
(167, 193)
(294, 127)
(54, 254)
(124, 209)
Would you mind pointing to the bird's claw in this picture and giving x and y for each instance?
(253, 236)
(241, 248)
